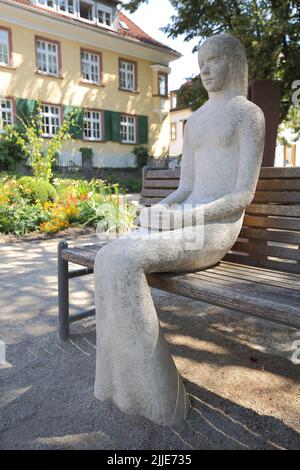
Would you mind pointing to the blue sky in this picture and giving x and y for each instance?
(152, 16)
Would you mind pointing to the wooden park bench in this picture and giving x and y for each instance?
(260, 276)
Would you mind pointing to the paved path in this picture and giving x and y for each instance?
(243, 387)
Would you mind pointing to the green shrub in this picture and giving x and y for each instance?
(10, 153)
(33, 190)
(141, 155)
(21, 219)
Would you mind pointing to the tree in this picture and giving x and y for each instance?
(41, 155)
(269, 30)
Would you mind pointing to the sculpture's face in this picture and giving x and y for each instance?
(214, 68)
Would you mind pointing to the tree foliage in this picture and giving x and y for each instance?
(41, 155)
(269, 30)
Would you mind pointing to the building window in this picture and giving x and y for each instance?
(87, 10)
(47, 57)
(127, 75)
(5, 51)
(104, 15)
(67, 6)
(163, 84)
(6, 113)
(51, 119)
(173, 101)
(92, 125)
(173, 131)
(47, 3)
(128, 129)
(90, 67)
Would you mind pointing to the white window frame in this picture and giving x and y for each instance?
(93, 5)
(127, 77)
(165, 78)
(92, 122)
(90, 64)
(106, 10)
(128, 130)
(47, 112)
(66, 5)
(44, 3)
(6, 52)
(47, 53)
(8, 112)
(173, 131)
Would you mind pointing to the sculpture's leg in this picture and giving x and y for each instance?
(134, 366)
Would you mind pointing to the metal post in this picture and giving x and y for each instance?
(63, 293)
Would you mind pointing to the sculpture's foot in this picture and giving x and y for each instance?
(160, 409)
(182, 408)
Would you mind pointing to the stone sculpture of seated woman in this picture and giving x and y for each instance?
(222, 154)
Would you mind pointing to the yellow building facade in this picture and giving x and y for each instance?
(87, 57)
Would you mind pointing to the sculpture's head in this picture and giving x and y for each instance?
(223, 64)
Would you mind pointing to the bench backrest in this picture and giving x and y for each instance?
(270, 236)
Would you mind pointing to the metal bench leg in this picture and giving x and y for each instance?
(63, 294)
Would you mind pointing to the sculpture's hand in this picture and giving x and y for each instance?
(161, 218)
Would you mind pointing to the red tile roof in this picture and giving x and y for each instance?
(133, 31)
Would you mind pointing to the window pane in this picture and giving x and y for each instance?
(127, 75)
(51, 120)
(4, 47)
(127, 129)
(90, 65)
(47, 57)
(6, 113)
(92, 125)
(163, 85)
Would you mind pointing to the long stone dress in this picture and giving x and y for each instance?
(134, 366)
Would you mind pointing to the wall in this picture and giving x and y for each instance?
(178, 117)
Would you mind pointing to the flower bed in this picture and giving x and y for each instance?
(29, 204)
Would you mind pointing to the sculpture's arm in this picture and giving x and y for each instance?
(251, 140)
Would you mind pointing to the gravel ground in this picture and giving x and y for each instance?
(243, 386)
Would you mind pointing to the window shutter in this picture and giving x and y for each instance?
(25, 109)
(112, 126)
(107, 125)
(76, 130)
(143, 130)
(115, 127)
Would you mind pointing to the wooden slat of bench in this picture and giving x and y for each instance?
(263, 263)
(284, 223)
(279, 172)
(156, 192)
(230, 281)
(261, 275)
(162, 184)
(264, 249)
(233, 289)
(277, 196)
(274, 209)
(279, 184)
(162, 174)
(270, 235)
(250, 303)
